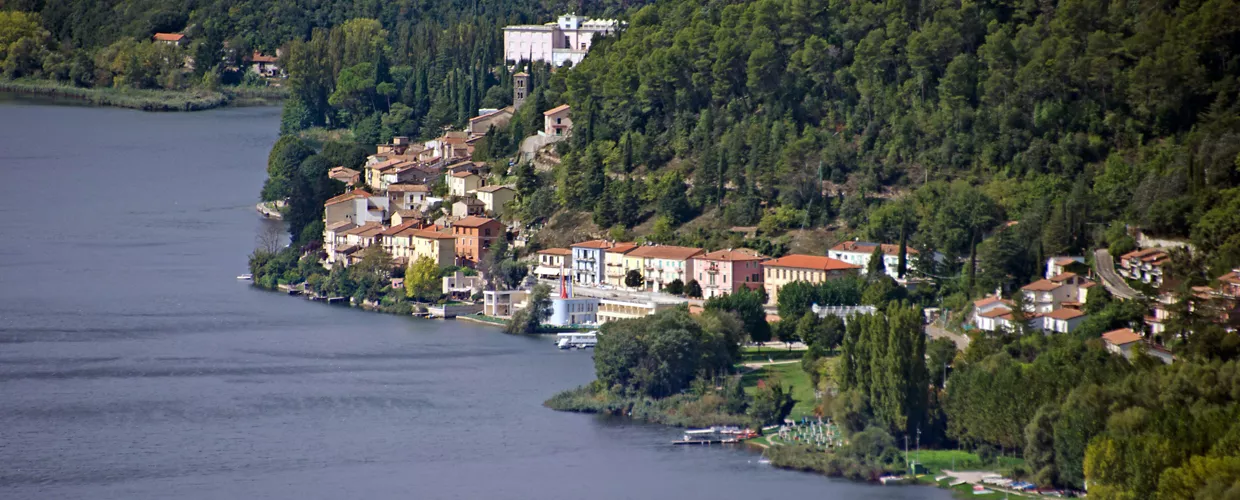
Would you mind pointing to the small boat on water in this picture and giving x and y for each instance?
(246, 277)
(576, 340)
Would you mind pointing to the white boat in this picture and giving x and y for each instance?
(576, 340)
(246, 277)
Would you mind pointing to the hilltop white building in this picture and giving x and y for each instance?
(566, 40)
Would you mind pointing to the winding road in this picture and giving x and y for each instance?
(1114, 283)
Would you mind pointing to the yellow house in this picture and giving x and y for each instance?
(553, 262)
(616, 263)
(439, 246)
(808, 268)
(495, 198)
(461, 183)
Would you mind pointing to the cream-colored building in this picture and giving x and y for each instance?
(495, 198)
(554, 262)
(616, 265)
(615, 309)
(411, 243)
(461, 183)
(663, 264)
(808, 268)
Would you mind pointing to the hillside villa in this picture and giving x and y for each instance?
(725, 271)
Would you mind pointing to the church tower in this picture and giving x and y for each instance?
(520, 89)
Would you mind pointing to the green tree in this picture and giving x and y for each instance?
(422, 281)
(633, 279)
(693, 289)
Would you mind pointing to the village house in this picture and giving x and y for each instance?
(614, 264)
(466, 207)
(345, 175)
(334, 240)
(588, 261)
(440, 247)
(1062, 320)
(663, 264)
(860, 252)
(1144, 265)
(348, 244)
(474, 237)
(498, 118)
(406, 215)
(1056, 266)
(553, 262)
(988, 313)
(567, 40)
(461, 183)
(450, 146)
(175, 39)
(407, 196)
(400, 146)
(808, 268)
(725, 271)
(1127, 343)
(557, 121)
(460, 286)
(357, 206)
(265, 65)
(495, 198)
(1062, 290)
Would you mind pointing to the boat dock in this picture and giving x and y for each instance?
(715, 435)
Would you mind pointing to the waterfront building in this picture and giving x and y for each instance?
(357, 206)
(725, 271)
(565, 41)
(552, 262)
(808, 268)
(663, 264)
(617, 309)
(615, 267)
(588, 261)
(573, 311)
(503, 303)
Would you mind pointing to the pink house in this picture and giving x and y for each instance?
(725, 271)
(557, 121)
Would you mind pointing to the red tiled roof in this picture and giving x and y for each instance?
(1065, 314)
(622, 248)
(556, 251)
(732, 255)
(392, 231)
(555, 110)
(257, 57)
(1141, 253)
(492, 189)
(665, 252)
(475, 221)
(433, 235)
(168, 37)
(356, 193)
(1064, 261)
(868, 247)
(601, 244)
(1041, 286)
(1062, 277)
(996, 312)
(463, 174)
(408, 188)
(1121, 336)
(810, 262)
(986, 301)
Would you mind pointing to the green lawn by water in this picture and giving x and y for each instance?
(792, 377)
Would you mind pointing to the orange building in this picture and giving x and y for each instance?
(474, 236)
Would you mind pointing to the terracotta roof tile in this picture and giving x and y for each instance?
(356, 193)
(601, 244)
(1065, 314)
(669, 252)
(867, 247)
(1041, 286)
(557, 109)
(556, 251)
(1121, 336)
(732, 255)
(810, 262)
(622, 248)
(475, 221)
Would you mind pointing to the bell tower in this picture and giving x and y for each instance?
(520, 89)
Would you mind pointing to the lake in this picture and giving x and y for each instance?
(134, 365)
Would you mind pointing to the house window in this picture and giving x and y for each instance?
(488, 232)
(557, 121)
(566, 42)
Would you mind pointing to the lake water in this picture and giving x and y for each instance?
(133, 365)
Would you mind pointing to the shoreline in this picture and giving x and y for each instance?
(193, 99)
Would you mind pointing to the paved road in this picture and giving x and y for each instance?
(935, 332)
(1114, 283)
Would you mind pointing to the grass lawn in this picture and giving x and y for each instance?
(792, 377)
(937, 460)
